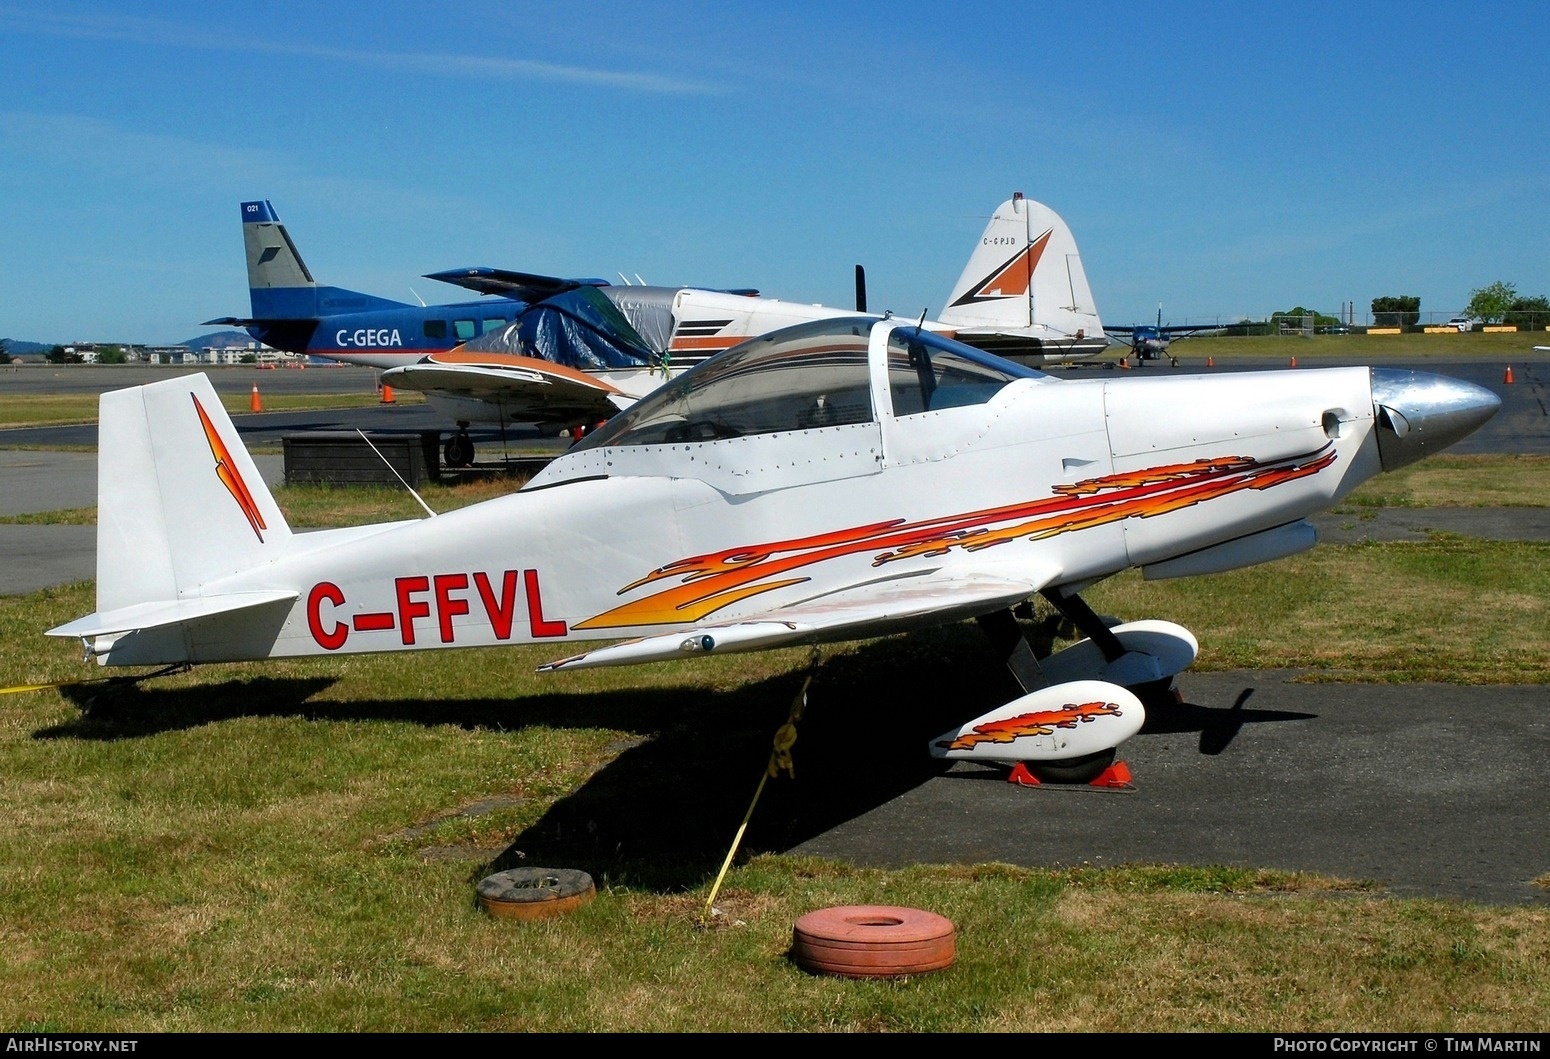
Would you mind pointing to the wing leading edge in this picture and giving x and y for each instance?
(523, 286)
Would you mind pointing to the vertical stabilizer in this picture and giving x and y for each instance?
(281, 287)
(1024, 284)
(272, 257)
(180, 502)
(278, 280)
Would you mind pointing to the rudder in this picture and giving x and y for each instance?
(180, 501)
(1026, 278)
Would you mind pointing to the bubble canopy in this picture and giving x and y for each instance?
(810, 376)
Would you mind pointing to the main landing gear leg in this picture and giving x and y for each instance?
(1076, 610)
(1007, 639)
(1156, 651)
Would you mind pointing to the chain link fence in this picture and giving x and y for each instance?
(1295, 324)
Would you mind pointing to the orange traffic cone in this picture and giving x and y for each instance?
(1294, 362)
(1508, 379)
(1210, 362)
(255, 403)
(387, 395)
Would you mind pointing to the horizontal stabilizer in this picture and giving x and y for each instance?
(171, 612)
(268, 321)
(877, 609)
(474, 380)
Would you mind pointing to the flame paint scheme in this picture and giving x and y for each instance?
(836, 480)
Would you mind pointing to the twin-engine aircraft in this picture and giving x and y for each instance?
(836, 480)
(561, 354)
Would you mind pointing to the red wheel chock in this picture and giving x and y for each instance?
(1116, 775)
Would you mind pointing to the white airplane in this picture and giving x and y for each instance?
(833, 481)
(1023, 295)
(566, 354)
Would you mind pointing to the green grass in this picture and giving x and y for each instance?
(1318, 611)
(34, 410)
(1447, 480)
(1356, 348)
(294, 846)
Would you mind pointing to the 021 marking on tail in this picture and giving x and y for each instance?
(835, 480)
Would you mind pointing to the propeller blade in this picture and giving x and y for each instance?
(860, 289)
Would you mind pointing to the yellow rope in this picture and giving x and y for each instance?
(780, 761)
(56, 684)
(176, 667)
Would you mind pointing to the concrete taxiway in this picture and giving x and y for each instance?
(1427, 790)
(1423, 790)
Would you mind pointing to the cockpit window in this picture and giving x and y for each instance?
(927, 373)
(810, 375)
(807, 376)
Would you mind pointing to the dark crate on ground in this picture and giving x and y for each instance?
(344, 457)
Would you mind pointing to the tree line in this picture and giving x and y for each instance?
(1496, 303)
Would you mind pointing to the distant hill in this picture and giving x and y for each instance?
(218, 340)
(17, 348)
(213, 340)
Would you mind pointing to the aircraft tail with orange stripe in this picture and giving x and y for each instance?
(180, 506)
(1024, 293)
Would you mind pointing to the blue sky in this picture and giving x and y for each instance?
(1221, 159)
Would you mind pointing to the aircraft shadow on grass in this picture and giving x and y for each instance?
(666, 809)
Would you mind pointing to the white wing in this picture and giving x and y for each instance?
(878, 608)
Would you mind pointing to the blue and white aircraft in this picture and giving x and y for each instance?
(293, 312)
(1151, 341)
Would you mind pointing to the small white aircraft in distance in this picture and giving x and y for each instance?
(837, 480)
(561, 354)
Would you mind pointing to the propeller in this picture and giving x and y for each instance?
(860, 289)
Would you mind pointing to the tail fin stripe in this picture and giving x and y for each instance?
(1009, 281)
(230, 477)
